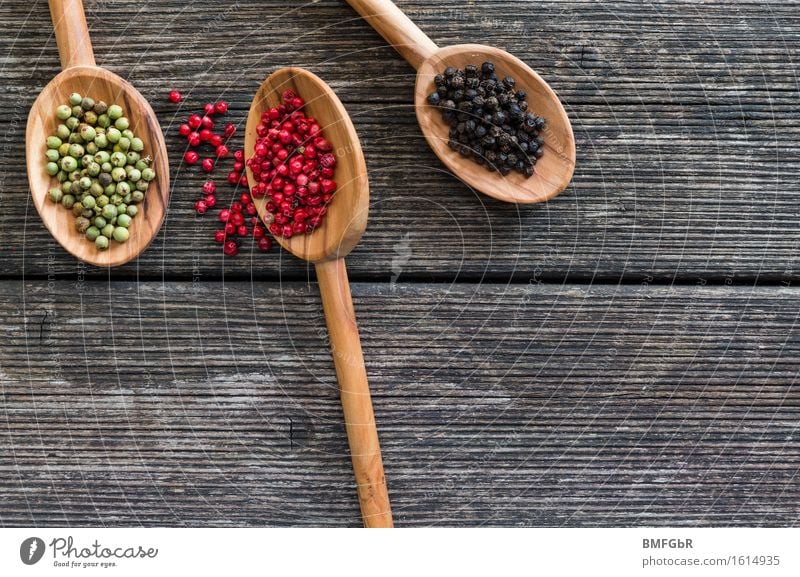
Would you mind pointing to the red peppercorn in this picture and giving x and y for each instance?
(241, 230)
(230, 129)
(205, 135)
(221, 107)
(215, 140)
(238, 155)
(222, 151)
(233, 177)
(207, 122)
(194, 139)
(243, 181)
(200, 206)
(175, 97)
(230, 228)
(230, 248)
(237, 219)
(184, 129)
(258, 231)
(208, 164)
(275, 229)
(251, 209)
(236, 206)
(238, 166)
(224, 215)
(219, 236)
(209, 187)
(195, 121)
(264, 244)
(208, 108)
(211, 201)
(191, 157)
(245, 199)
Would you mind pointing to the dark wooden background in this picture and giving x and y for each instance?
(625, 354)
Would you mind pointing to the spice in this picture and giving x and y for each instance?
(199, 131)
(293, 165)
(102, 173)
(489, 119)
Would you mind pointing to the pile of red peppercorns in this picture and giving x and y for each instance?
(293, 165)
(240, 220)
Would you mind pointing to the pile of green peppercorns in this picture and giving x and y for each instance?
(98, 161)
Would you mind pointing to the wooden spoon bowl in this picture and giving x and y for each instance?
(346, 220)
(82, 76)
(552, 172)
(100, 84)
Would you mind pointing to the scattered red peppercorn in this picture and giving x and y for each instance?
(215, 140)
(209, 187)
(195, 120)
(230, 129)
(222, 151)
(221, 107)
(211, 201)
(191, 157)
(219, 236)
(185, 129)
(264, 244)
(175, 97)
(230, 248)
(208, 164)
(209, 109)
(200, 206)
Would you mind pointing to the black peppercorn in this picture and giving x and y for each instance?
(434, 99)
(487, 68)
(509, 82)
(471, 70)
(449, 72)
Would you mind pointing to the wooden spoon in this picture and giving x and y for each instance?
(553, 171)
(81, 75)
(326, 247)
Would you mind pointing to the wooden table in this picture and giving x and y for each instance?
(626, 354)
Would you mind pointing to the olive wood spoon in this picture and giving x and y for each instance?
(326, 247)
(81, 75)
(552, 172)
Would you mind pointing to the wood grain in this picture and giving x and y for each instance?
(499, 405)
(685, 118)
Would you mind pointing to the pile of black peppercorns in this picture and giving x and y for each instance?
(489, 120)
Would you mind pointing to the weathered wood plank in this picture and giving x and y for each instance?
(685, 114)
(204, 403)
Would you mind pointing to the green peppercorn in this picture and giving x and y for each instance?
(124, 144)
(76, 151)
(101, 242)
(82, 224)
(113, 135)
(100, 222)
(104, 179)
(140, 165)
(100, 107)
(69, 164)
(106, 167)
(63, 112)
(101, 140)
(90, 118)
(62, 131)
(66, 187)
(62, 176)
(123, 188)
(142, 185)
(128, 133)
(51, 168)
(77, 112)
(88, 201)
(121, 123)
(86, 160)
(109, 211)
(118, 174)
(103, 121)
(132, 210)
(52, 155)
(114, 111)
(74, 176)
(72, 123)
(108, 230)
(133, 158)
(91, 148)
(87, 132)
(77, 209)
(110, 189)
(67, 201)
(75, 99)
(123, 220)
(127, 199)
(93, 169)
(53, 142)
(121, 234)
(102, 200)
(148, 174)
(63, 150)
(87, 103)
(101, 157)
(92, 233)
(137, 196)
(137, 145)
(118, 159)
(55, 194)
(96, 189)
(134, 175)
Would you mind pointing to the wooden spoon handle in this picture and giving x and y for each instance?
(397, 29)
(72, 34)
(362, 433)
